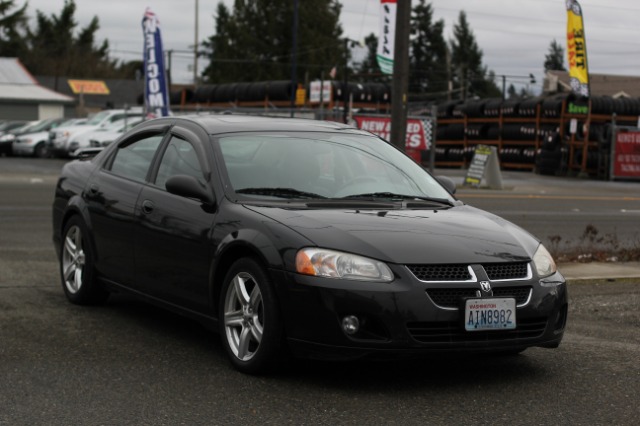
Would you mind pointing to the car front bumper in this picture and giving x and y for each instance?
(21, 148)
(400, 318)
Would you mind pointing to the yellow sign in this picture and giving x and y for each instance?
(301, 95)
(577, 50)
(89, 87)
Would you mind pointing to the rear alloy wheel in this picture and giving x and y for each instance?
(250, 322)
(41, 151)
(76, 266)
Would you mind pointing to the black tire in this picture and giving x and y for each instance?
(250, 324)
(41, 151)
(77, 270)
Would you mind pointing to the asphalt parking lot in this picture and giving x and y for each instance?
(130, 363)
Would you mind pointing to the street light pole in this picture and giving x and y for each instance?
(530, 77)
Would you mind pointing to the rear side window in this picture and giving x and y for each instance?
(133, 160)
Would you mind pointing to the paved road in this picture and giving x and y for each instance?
(130, 363)
(565, 213)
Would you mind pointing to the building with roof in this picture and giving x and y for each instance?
(616, 86)
(95, 95)
(22, 98)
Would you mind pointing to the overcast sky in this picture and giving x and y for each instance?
(513, 34)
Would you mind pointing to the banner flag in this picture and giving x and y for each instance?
(156, 93)
(577, 49)
(387, 35)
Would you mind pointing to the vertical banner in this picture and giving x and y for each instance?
(156, 94)
(577, 49)
(387, 35)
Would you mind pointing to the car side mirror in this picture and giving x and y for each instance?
(188, 186)
(447, 183)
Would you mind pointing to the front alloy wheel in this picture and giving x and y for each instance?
(76, 266)
(243, 316)
(73, 260)
(250, 323)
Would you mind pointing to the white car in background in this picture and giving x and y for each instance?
(103, 136)
(32, 140)
(61, 140)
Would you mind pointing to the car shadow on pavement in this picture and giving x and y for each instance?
(155, 329)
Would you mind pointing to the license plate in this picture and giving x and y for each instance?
(489, 314)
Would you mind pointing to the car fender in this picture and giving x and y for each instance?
(78, 207)
(249, 242)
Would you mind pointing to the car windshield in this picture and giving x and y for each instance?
(122, 124)
(323, 166)
(40, 126)
(73, 122)
(98, 118)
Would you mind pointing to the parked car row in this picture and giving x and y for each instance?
(65, 141)
(8, 128)
(61, 137)
(31, 140)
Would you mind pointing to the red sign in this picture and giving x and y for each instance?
(627, 158)
(418, 136)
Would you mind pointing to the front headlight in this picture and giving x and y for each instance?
(543, 262)
(334, 264)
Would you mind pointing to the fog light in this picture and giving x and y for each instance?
(350, 324)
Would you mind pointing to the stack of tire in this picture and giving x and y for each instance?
(551, 157)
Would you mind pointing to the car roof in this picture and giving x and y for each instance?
(227, 123)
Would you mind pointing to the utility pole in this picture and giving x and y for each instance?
(195, 51)
(400, 85)
(294, 55)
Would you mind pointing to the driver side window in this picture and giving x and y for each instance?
(133, 160)
(180, 158)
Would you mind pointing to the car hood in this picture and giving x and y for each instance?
(36, 135)
(461, 234)
(73, 130)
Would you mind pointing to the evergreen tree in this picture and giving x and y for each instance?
(428, 54)
(221, 47)
(554, 60)
(12, 29)
(253, 42)
(54, 49)
(470, 75)
(369, 68)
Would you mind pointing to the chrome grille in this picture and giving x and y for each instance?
(506, 271)
(452, 297)
(440, 272)
(494, 271)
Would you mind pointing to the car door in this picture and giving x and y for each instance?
(112, 194)
(173, 250)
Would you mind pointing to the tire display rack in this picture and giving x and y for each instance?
(559, 134)
(278, 94)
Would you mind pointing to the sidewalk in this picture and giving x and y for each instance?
(575, 272)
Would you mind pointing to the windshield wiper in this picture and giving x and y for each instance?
(391, 195)
(279, 192)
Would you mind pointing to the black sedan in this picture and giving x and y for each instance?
(302, 237)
